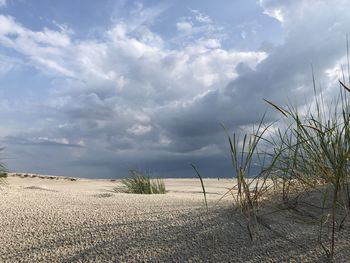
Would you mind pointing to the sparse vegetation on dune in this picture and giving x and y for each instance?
(310, 152)
(140, 183)
(249, 191)
(314, 149)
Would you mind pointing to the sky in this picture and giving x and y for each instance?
(96, 88)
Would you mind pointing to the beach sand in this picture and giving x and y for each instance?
(68, 220)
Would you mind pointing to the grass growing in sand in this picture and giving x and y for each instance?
(309, 152)
(3, 176)
(140, 183)
(3, 171)
(315, 149)
(249, 190)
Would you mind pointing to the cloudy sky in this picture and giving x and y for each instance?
(95, 88)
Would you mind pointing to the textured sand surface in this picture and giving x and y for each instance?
(50, 220)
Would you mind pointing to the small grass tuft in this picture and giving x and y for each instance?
(140, 183)
(3, 172)
(3, 176)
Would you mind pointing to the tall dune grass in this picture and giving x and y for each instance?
(249, 190)
(315, 148)
(311, 150)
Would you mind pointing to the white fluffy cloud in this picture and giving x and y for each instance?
(184, 26)
(116, 93)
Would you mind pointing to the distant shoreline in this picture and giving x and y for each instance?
(74, 178)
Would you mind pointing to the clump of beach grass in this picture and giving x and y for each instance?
(3, 176)
(141, 183)
(310, 152)
(249, 190)
(3, 171)
(314, 150)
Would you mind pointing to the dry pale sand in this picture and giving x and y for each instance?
(56, 220)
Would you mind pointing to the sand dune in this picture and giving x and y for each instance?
(45, 220)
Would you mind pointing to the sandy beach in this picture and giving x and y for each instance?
(68, 220)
